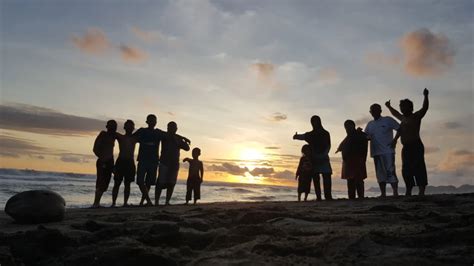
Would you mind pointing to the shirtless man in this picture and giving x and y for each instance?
(413, 152)
(125, 164)
(104, 150)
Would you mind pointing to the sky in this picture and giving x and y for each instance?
(238, 77)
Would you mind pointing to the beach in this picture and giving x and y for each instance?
(430, 230)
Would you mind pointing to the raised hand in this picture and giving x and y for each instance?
(387, 103)
(294, 136)
(426, 92)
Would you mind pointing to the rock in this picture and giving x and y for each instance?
(36, 206)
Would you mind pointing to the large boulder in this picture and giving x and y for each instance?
(36, 206)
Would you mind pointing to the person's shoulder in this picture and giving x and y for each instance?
(102, 134)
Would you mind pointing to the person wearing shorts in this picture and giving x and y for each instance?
(147, 158)
(104, 150)
(125, 164)
(413, 151)
(169, 161)
(380, 133)
(195, 176)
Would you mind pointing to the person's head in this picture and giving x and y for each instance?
(406, 107)
(316, 122)
(129, 126)
(172, 127)
(350, 126)
(196, 152)
(376, 110)
(151, 120)
(306, 150)
(111, 126)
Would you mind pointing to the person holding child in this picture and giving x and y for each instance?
(195, 176)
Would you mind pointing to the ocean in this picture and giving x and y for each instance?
(78, 189)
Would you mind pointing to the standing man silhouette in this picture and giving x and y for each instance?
(320, 143)
(104, 150)
(413, 152)
(380, 133)
(147, 157)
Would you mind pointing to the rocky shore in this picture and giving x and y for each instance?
(430, 230)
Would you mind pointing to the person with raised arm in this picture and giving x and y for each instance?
(104, 150)
(413, 151)
(380, 134)
(320, 142)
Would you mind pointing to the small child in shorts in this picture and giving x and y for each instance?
(304, 172)
(195, 176)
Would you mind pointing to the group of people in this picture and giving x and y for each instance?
(150, 162)
(315, 162)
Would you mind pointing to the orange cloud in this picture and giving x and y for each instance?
(426, 53)
(94, 41)
(132, 54)
(459, 161)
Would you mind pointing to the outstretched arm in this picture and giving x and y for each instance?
(183, 144)
(393, 111)
(426, 103)
(298, 136)
(186, 160)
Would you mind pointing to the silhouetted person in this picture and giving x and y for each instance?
(169, 161)
(305, 172)
(125, 164)
(320, 143)
(354, 155)
(104, 150)
(147, 158)
(195, 176)
(380, 133)
(413, 152)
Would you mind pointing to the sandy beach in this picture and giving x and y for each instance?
(430, 230)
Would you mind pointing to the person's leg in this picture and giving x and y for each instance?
(158, 189)
(351, 188)
(197, 192)
(327, 186)
(306, 196)
(169, 193)
(115, 190)
(317, 186)
(395, 188)
(299, 196)
(188, 192)
(126, 193)
(360, 188)
(382, 186)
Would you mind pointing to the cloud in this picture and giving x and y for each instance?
(265, 73)
(146, 36)
(459, 162)
(93, 41)
(30, 118)
(286, 174)
(76, 158)
(16, 147)
(229, 168)
(272, 148)
(277, 117)
(452, 125)
(426, 53)
(132, 54)
(262, 171)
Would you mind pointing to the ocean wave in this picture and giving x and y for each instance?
(260, 198)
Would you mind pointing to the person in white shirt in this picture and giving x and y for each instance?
(380, 133)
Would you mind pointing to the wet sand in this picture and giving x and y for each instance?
(431, 230)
